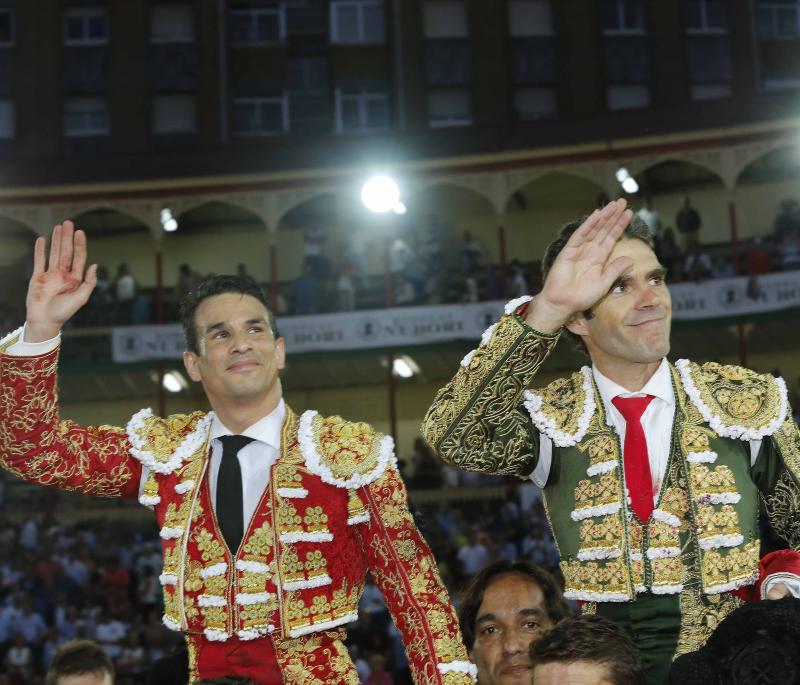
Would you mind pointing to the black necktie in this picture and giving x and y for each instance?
(230, 500)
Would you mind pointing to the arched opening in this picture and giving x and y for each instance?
(16, 263)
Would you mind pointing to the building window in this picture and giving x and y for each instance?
(623, 17)
(357, 21)
(778, 20)
(450, 107)
(86, 26)
(445, 19)
(173, 114)
(309, 95)
(533, 58)
(86, 118)
(361, 110)
(260, 116)
(6, 119)
(258, 25)
(626, 56)
(171, 24)
(708, 49)
(6, 28)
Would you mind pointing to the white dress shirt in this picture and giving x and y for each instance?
(657, 423)
(256, 459)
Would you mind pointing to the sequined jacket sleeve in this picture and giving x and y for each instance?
(477, 421)
(406, 573)
(37, 446)
(777, 474)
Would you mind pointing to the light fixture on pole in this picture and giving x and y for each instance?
(380, 194)
(169, 223)
(628, 182)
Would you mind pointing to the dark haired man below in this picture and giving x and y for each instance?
(586, 650)
(269, 521)
(80, 662)
(504, 609)
(652, 472)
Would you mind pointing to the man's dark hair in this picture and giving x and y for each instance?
(594, 639)
(636, 229)
(78, 657)
(472, 595)
(219, 285)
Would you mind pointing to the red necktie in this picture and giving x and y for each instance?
(637, 463)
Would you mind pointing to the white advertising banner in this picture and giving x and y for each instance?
(406, 326)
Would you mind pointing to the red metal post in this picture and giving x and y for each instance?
(160, 318)
(273, 275)
(388, 297)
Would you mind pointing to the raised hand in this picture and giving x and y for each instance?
(59, 288)
(581, 274)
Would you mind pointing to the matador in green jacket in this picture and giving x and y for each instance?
(652, 472)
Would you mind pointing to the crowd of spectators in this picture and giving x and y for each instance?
(98, 580)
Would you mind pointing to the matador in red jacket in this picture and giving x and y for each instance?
(269, 521)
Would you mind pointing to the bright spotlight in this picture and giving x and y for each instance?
(400, 208)
(630, 186)
(168, 222)
(174, 382)
(380, 194)
(405, 367)
(622, 174)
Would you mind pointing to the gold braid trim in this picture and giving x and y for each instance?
(477, 422)
(783, 503)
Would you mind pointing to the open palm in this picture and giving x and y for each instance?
(60, 286)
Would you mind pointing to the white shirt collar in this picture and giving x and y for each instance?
(267, 429)
(659, 385)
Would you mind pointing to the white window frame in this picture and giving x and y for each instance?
(12, 129)
(362, 99)
(88, 132)
(773, 9)
(172, 41)
(428, 33)
(636, 31)
(254, 13)
(360, 6)
(10, 41)
(178, 131)
(85, 13)
(283, 101)
(706, 29)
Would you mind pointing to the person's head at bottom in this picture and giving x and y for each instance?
(586, 650)
(506, 606)
(80, 662)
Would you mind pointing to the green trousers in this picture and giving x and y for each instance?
(653, 621)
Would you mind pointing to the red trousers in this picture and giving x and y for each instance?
(253, 659)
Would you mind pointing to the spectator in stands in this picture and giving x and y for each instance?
(493, 287)
(470, 254)
(109, 633)
(789, 251)
(225, 680)
(401, 257)
(133, 658)
(125, 290)
(361, 665)
(378, 675)
(19, 658)
(650, 217)
(669, 254)
(29, 624)
(80, 662)
(586, 650)
(697, 265)
(304, 292)
(346, 288)
(757, 258)
(473, 555)
(722, 267)
(313, 251)
(505, 608)
(470, 293)
(517, 285)
(688, 222)
(787, 221)
(241, 270)
(187, 281)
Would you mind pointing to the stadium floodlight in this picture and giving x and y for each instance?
(628, 182)
(405, 367)
(168, 222)
(380, 194)
(400, 208)
(174, 382)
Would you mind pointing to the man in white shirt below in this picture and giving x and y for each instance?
(651, 472)
(269, 521)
